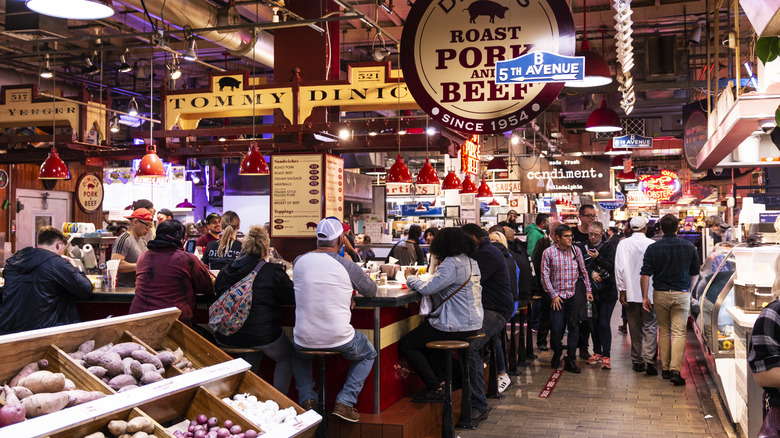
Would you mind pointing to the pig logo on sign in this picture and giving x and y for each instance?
(486, 7)
(228, 82)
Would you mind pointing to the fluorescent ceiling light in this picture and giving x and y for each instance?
(73, 9)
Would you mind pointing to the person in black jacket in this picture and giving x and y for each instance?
(498, 302)
(271, 289)
(41, 286)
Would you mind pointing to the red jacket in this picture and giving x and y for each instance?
(167, 277)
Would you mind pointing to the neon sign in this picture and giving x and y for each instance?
(660, 187)
(469, 154)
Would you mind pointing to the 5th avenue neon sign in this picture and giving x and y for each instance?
(659, 187)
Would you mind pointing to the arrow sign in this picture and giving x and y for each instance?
(540, 67)
(632, 141)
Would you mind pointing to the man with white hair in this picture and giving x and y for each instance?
(324, 282)
(642, 324)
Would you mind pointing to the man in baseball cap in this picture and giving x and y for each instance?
(214, 228)
(130, 245)
(323, 295)
(638, 223)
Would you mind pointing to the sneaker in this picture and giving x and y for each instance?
(346, 413)
(676, 378)
(606, 364)
(429, 396)
(572, 367)
(584, 354)
(594, 359)
(480, 415)
(640, 368)
(309, 405)
(665, 374)
(543, 347)
(504, 382)
(651, 370)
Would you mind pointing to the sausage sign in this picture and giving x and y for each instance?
(451, 50)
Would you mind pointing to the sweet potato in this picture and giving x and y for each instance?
(136, 369)
(150, 377)
(125, 348)
(97, 371)
(126, 365)
(144, 356)
(140, 435)
(87, 346)
(109, 360)
(27, 370)
(78, 396)
(44, 381)
(179, 355)
(11, 414)
(77, 355)
(140, 424)
(9, 396)
(45, 403)
(166, 358)
(97, 434)
(104, 348)
(117, 427)
(21, 392)
(127, 388)
(145, 367)
(81, 362)
(121, 380)
(69, 385)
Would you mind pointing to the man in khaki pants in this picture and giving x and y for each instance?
(674, 266)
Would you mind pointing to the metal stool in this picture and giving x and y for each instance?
(465, 421)
(447, 428)
(322, 430)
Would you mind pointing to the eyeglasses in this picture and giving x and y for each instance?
(146, 224)
(594, 234)
(566, 236)
(590, 216)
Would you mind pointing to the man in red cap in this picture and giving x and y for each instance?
(131, 245)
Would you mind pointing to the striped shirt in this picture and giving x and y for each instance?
(560, 270)
(765, 346)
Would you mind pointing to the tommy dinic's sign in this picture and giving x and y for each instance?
(371, 86)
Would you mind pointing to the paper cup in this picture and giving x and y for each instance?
(112, 278)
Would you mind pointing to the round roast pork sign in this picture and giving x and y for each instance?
(449, 50)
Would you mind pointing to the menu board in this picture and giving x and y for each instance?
(334, 186)
(296, 194)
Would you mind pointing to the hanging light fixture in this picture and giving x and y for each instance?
(451, 182)
(124, 67)
(114, 124)
(550, 185)
(132, 107)
(494, 203)
(253, 162)
(617, 163)
(174, 69)
(603, 119)
(46, 73)
(53, 167)
(91, 63)
(420, 207)
(468, 185)
(484, 193)
(398, 174)
(597, 72)
(151, 166)
(629, 176)
(191, 54)
(73, 9)
(497, 165)
(427, 174)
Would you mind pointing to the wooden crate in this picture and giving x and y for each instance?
(100, 425)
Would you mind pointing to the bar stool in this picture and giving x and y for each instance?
(522, 353)
(240, 352)
(447, 429)
(512, 352)
(465, 421)
(493, 370)
(321, 355)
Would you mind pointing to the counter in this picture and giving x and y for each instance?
(748, 395)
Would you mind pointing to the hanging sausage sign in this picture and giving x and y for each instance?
(450, 50)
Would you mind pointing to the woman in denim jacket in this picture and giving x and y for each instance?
(455, 319)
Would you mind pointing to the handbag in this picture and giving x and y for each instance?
(771, 426)
(229, 313)
(427, 308)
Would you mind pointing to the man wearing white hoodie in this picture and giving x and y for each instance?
(642, 325)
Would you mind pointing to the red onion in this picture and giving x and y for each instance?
(199, 434)
(223, 433)
(212, 422)
(251, 433)
(227, 424)
(235, 430)
(202, 419)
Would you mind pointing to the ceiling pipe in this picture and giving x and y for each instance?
(200, 14)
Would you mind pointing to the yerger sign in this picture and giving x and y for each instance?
(450, 50)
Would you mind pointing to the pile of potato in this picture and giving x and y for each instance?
(124, 366)
(138, 427)
(35, 392)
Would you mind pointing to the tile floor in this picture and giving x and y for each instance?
(608, 403)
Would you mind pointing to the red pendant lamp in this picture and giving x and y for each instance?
(151, 166)
(497, 165)
(398, 173)
(629, 176)
(617, 163)
(427, 175)
(468, 185)
(53, 167)
(420, 207)
(484, 193)
(597, 72)
(451, 182)
(603, 119)
(494, 203)
(253, 162)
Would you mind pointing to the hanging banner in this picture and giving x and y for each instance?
(620, 200)
(559, 175)
(541, 67)
(632, 141)
(450, 51)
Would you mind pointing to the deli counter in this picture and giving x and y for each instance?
(735, 284)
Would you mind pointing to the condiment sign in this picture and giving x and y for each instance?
(659, 187)
(469, 155)
(304, 189)
(568, 174)
(450, 51)
(89, 192)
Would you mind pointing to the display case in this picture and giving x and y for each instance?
(714, 292)
(174, 400)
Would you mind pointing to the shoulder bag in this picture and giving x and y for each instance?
(427, 308)
(229, 313)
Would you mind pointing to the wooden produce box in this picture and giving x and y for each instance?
(172, 398)
(100, 425)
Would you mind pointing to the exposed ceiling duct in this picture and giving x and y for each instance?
(199, 14)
